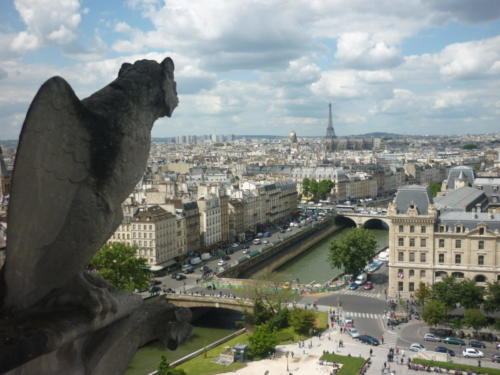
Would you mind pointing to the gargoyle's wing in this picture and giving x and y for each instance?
(53, 158)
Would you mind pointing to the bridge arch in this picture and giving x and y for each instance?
(345, 221)
(376, 223)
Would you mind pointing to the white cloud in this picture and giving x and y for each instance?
(360, 50)
(47, 22)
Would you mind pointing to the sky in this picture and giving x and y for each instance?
(269, 66)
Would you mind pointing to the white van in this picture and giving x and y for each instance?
(256, 241)
(361, 279)
(205, 256)
(196, 260)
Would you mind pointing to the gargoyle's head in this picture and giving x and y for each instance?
(153, 83)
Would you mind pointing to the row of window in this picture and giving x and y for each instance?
(412, 241)
(458, 229)
(458, 244)
(423, 229)
(458, 259)
(401, 257)
(411, 273)
(411, 286)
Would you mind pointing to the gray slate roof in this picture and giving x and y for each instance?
(416, 195)
(470, 220)
(461, 171)
(463, 199)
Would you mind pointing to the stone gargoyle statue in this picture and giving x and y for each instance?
(76, 162)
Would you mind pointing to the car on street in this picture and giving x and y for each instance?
(265, 242)
(472, 353)
(180, 276)
(416, 347)
(245, 251)
(174, 275)
(453, 341)
(444, 349)
(221, 263)
(156, 282)
(368, 285)
(353, 332)
(431, 337)
(495, 358)
(353, 286)
(235, 245)
(477, 344)
(226, 257)
(348, 320)
(367, 339)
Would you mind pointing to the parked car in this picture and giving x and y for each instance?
(443, 349)
(453, 341)
(353, 332)
(226, 257)
(495, 358)
(187, 268)
(235, 245)
(353, 286)
(180, 276)
(431, 337)
(416, 347)
(265, 242)
(221, 263)
(392, 322)
(173, 276)
(156, 282)
(472, 353)
(476, 344)
(368, 285)
(348, 320)
(368, 340)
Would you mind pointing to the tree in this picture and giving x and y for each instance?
(469, 146)
(447, 291)
(118, 264)
(302, 320)
(313, 188)
(354, 251)
(423, 293)
(492, 300)
(324, 188)
(163, 366)
(262, 341)
(435, 188)
(470, 295)
(306, 187)
(475, 319)
(434, 312)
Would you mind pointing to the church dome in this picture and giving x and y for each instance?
(292, 137)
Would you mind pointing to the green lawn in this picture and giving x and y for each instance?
(204, 366)
(458, 366)
(351, 365)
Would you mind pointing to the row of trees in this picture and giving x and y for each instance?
(318, 190)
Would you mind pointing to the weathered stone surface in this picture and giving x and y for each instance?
(76, 162)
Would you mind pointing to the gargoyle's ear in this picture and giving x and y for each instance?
(168, 64)
(125, 68)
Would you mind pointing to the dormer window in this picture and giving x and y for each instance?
(458, 229)
(481, 230)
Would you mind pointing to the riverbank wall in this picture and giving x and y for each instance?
(282, 252)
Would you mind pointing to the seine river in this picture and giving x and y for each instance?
(313, 265)
(310, 266)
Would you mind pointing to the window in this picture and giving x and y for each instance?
(400, 286)
(423, 257)
(441, 242)
(457, 229)
(441, 258)
(458, 258)
(401, 256)
(401, 241)
(423, 242)
(412, 257)
(458, 244)
(411, 287)
(412, 228)
(441, 228)
(422, 273)
(480, 260)
(412, 242)
(480, 245)
(481, 230)
(422, 229)
(411, 273)
(401, 229)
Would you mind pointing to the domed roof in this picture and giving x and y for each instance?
(292, 137)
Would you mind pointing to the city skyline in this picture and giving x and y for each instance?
(264, 68)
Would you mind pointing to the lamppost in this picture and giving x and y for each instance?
(184, 283)
(287, 353)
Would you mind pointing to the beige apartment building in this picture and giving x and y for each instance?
(154, 231)
(428, 243)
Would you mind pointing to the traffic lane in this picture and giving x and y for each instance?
(354, 303)
(414, 333)
(372, 327)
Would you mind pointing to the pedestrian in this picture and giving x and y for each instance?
(479, 363)
(385, 364)
(371, 352)
(382, 339)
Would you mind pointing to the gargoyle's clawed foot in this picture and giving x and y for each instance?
(86, 293)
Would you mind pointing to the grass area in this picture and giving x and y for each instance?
(350, 365)
(457, 366)
(288, 335)
(204, 366)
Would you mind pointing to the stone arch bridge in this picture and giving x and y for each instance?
(361, 220)
(194, 301)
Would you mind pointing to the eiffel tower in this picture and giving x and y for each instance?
(330, 133)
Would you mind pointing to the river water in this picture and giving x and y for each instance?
(313, 265)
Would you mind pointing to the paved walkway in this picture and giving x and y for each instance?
(306, 361)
